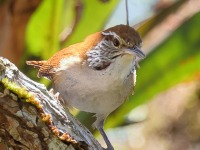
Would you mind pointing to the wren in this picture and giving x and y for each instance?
(96, 75)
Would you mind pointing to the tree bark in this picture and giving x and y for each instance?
(32, 118)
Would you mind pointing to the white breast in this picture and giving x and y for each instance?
(92, 90)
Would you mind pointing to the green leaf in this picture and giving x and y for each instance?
(95, 14)
(52, 17)
(175, 60)
(44, 27)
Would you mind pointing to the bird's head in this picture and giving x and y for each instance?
(117, 41)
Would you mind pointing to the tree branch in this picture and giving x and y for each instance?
(32, 118)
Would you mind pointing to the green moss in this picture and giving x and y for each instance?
(21, 92)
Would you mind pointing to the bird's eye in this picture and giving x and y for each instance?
(116, 43)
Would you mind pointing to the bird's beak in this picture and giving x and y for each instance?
(135, 51)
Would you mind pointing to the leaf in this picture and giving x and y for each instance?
(45, 26)
(95, 14)
(42, 37)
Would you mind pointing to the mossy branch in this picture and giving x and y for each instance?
(32, 118)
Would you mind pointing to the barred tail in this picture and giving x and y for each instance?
(36, 64)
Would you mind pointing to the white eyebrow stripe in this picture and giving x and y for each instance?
(116, 36)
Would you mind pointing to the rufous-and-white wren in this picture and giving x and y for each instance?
(96, 75)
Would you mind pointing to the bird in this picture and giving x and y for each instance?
(96, 75)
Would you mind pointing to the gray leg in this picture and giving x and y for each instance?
(101, 130)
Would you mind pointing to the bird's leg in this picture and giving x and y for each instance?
(101, 130)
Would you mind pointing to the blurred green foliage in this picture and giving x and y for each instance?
(43, 29)
(50, 19)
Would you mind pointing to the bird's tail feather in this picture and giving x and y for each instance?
(36, 64)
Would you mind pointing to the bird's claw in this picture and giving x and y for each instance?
(56, 96)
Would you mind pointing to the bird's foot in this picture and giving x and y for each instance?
(56, 96)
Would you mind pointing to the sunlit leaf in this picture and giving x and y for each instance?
(45, 26)
(48, 21)
(95, 14)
